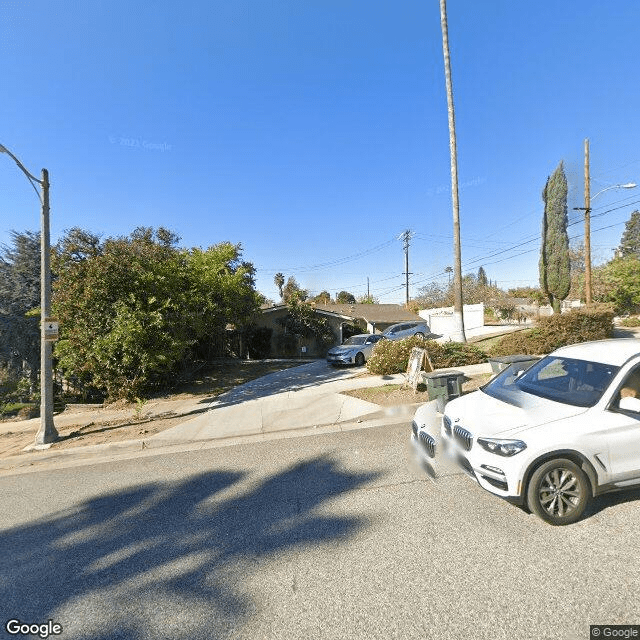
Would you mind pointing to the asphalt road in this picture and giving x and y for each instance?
(331, 536)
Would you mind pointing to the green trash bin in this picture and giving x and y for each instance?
(443, 386)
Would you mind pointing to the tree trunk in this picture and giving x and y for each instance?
(556, 303)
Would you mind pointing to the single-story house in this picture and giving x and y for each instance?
(344, 320)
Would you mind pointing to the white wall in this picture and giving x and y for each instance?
(441, 321)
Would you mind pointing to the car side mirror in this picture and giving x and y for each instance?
(629, 404)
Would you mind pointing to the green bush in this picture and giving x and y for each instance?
(633, 321)
(557, 331)
(287, 345)
(392, 356)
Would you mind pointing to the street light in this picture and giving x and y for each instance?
(47, 432)
(587, 219)
(628, 185)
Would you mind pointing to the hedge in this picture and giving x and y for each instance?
(392, 356)
(558, 330)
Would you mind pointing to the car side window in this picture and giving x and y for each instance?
(628, 397)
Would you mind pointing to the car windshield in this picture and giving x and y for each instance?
(580, 383)
(356, 340)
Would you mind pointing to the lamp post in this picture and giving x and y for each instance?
(587, 219)
(47, 432)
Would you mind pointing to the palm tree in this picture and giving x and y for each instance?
(449, 271)
(279, 281)
(457, 279)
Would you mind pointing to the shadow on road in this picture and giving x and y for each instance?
(603, 502)
(168, 560)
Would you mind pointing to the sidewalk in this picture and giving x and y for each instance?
(255, 411)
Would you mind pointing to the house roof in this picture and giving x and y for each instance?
(372, 313)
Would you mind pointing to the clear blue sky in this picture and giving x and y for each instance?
(315, 131)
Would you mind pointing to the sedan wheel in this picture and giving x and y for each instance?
(419, 334)
(558, 492)
(359, 359)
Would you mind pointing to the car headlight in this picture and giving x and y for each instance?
(504, 448)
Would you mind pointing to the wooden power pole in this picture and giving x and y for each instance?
(587, 225)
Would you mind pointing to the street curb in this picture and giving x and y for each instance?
(99, 453)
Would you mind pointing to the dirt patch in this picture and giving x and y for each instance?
(83, 425)
(102, 432)
(395, 394)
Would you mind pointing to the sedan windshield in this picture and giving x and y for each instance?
(356, 340)
(576, 382)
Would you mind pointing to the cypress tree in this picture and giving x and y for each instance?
(630, 241)
(555, 273)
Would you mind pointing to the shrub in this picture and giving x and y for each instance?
(287, 344)
(259, 342)
(392, 356)
(557, 331)
(633, 321)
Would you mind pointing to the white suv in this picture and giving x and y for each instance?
(565, 430)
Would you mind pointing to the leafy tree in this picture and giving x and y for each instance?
(292, 291)
(531, 293)
(618, 282)
(555, 274)
(577, 263)
(302, 321)
(482, 277)
(576, 257)
(279, 282)
(433, 295)
(344, 297)
(368, 299)
(20, 303)
(135, 310)
(324, 297)
(630, 242)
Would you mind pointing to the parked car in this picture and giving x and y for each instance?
(356, 350)
(406, 330)
(552, 437)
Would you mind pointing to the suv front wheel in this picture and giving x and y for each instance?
(558, 492)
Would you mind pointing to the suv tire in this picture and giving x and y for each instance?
(558, 492)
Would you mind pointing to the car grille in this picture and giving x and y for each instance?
(447, 425)
(414, 428)
(428, 444)
(463, 438)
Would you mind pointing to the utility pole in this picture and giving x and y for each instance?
(587, 226)
(458, 309)
(406, 236)
(368, 293)
(47, 432)
(587, 219)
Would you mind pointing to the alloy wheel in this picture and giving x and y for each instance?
(559, 492)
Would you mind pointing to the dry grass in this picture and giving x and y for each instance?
(395, 394)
